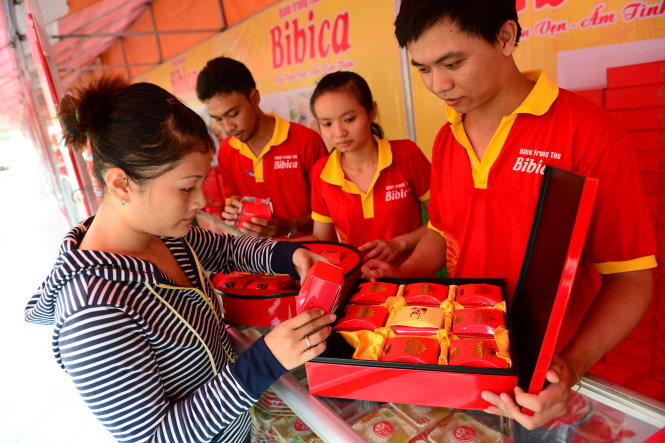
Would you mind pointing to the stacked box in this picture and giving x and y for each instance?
(635, 96)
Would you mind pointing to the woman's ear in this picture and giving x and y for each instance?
(507, 37)
(372, 115)
(117, 183)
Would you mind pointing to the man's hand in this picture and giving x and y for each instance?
(550, 403)
(232, 210)
(375, 269)
(384, 250)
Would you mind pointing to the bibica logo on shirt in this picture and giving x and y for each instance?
(532, 165)
(397, 192)
(286, 162)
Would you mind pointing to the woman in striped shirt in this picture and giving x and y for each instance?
(137, 324)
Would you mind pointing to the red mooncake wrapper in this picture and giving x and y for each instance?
(373, 293)
(422, 350)
(479, 353)
(362, 317)
(478, 295)
(235, 280)
(417, 320)
(277, 281)
(425, 294)
(477, 322)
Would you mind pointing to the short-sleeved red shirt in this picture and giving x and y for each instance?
(281, 172)
(487, 206)
(391, 206)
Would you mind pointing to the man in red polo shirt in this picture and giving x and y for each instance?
(503, 127)
(263, 155)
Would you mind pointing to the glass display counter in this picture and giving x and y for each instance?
(287, 412)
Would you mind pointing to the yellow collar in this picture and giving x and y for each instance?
(334, 174)
(279, 134)
(539, 100)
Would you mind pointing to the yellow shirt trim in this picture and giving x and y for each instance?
(334, 174)
(321, 218)
(279, 135)
(433, 228)
(537, 102)
(424, 197)
(637, 264)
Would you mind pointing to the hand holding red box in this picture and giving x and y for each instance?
(253, 207)
(321, 288)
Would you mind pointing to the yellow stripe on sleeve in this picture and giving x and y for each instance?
(637, 264)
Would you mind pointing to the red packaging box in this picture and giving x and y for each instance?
(650, 161)
(253, 207)
(640, 119)
(639, 74)
(653, 140)
(644, 96)
(555, 244)
(272, 282)
(321, 289)
(652, 182)
(270, 306)
(596, 96)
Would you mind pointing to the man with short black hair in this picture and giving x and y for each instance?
(263, 155)
(503, 127)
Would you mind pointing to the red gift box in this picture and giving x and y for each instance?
(269, 307)
(478, 353)
(421, 350)
(272, 282)
(648, 140)
(640, 119)
(477, 322)
(232, 280)
(358, 317)
(321, 288)
(471, 296)
(373, 293)
(639, 74)
(427, 294)
(644, 96)
(555, 244)
(253, 207)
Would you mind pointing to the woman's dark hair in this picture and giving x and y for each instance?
(351, 83)
(223, 75)
(140, 128)
(481, 18)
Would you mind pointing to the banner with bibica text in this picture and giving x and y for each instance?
(573, 41)
(289, 46)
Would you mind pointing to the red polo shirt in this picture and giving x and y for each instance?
(487, 205)
(391, 205)
(281, 172)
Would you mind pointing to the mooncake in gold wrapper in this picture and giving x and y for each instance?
(368, 345)
(419, 417)
(459, 427)
(382, 426)
(425, 294)
(409, 349)
(362, 317)
(373, 293)
(478, 295)
(417, 320)
(293, 430)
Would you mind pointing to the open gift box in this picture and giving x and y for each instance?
(533, 318)
(266, 305)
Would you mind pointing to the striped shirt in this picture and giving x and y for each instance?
(132, 340)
